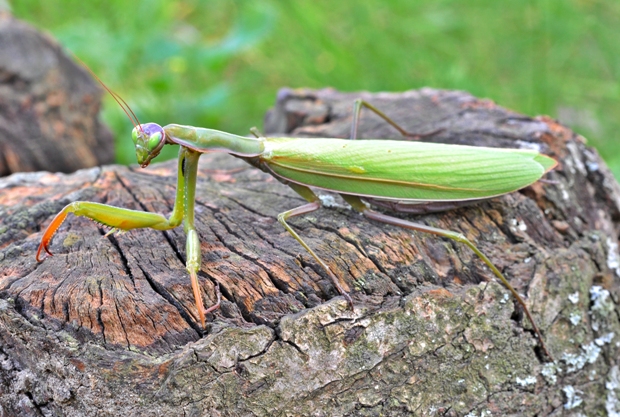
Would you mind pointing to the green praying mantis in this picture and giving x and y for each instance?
(407, 176)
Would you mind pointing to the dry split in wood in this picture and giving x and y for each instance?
(108, 325)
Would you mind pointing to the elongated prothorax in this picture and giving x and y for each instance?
(210, 140)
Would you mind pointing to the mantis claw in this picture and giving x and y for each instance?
(198, 298)
(219, 299)
(49, 233)
(43, 247)
(118, 219)
(111, 231)
(349, 300)
(341, 290)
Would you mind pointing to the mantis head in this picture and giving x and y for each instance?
(148, 138)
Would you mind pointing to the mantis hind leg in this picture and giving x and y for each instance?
(357, 110)
(359, 206)
(313, 205)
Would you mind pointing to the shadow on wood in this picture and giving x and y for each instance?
(109, 323)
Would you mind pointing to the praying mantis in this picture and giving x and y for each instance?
(408, 176)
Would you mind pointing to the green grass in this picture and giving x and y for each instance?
(219, 63)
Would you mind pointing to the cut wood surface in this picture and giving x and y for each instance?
(107, 326)
(49, 106)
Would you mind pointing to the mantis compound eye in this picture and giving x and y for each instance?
(149, 139)
(154, 141)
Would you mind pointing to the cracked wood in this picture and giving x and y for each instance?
(428, 331)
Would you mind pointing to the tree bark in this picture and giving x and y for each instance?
(49, 106)
(108, 325)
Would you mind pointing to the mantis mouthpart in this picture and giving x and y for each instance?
(396, 174)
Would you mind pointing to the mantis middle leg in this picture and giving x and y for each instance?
(314, 203)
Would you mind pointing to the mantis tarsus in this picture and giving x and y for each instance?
(404, 175)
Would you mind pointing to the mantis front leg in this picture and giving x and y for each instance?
(125, 219)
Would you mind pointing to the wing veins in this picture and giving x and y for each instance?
(377, 180)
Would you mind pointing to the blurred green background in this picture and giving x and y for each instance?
(219, 63)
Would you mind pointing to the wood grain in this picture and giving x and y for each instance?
(109, 323)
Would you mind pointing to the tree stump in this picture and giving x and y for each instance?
(49, 106)
(108, 325)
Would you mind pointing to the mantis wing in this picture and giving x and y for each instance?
(398, 170)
